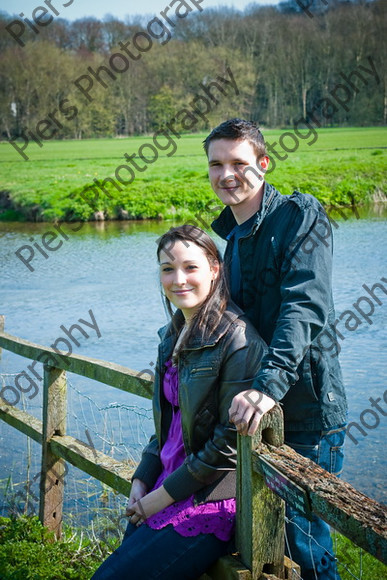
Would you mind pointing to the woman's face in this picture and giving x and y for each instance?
(186, 276)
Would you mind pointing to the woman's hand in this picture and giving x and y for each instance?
(148, 504)
(137, 492)
(247, 409)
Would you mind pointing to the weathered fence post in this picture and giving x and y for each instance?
(53, 468)
(2, 323)
(261, 513)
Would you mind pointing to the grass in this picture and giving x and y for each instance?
(29, 552)
(355, 563)
(343, 166)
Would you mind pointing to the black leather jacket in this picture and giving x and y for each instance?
(211, 373)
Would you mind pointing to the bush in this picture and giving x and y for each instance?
(28, 551)
(352, 560)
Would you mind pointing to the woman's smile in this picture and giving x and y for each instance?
(182, 291)
(186, 276)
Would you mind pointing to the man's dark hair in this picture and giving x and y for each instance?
(238, 129)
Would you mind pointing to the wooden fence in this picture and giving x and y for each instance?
(268, 472)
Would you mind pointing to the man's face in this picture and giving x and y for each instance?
(235, 176)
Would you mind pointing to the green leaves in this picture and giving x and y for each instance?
(28, 551)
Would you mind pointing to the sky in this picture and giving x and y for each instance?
(118, 8)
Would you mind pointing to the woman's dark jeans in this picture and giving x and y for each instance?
(147, 554)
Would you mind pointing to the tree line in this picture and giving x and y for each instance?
(285, 62)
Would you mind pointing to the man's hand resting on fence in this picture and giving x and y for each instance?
(142, 505)
(247, 409)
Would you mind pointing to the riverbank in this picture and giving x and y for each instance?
(66, 180)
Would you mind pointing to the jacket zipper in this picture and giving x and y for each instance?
(201, 369)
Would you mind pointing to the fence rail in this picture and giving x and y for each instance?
(109, 373)
(268, 471)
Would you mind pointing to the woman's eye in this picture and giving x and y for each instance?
(192, 267)
(166, 269)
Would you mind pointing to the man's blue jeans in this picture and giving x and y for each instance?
(147, 554)
(309, 542)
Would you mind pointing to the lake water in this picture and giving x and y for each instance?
(110, 268)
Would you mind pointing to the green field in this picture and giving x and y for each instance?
(342, 166)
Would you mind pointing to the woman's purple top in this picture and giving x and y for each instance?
(215, 517)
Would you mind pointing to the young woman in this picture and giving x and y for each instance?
(182, 503)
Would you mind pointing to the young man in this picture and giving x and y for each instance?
(279, 259)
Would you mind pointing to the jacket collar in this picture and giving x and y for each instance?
(168, 333)
(226, 221)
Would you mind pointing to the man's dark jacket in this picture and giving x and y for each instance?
(286, 291)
